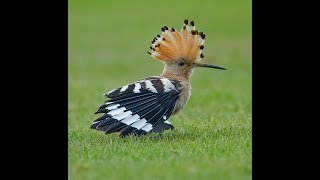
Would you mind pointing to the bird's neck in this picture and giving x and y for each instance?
(173, 76)
(176, 75)
(184, 86)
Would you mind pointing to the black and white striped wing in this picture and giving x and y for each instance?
(138, 108)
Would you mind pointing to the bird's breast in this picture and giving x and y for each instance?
(185, 93)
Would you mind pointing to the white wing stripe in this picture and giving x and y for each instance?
(113, 106)
(137, 87)
(150, 86)
(147, 127)
(131, 119)
(117, 111)
(168, 86)
(122, 115)
(139, 124)
(124, 88)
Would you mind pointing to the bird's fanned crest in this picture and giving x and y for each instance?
(174, 45)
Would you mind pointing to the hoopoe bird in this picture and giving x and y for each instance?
(145, 106)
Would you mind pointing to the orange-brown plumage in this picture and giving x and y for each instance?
(173, 45)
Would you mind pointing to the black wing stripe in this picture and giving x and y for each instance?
(134, 108)
(140, 132)
(102, 110)
(154, 113)
(104, 128)
(168, 108)
(105, 105)
(157, 83)
(126, 104)
(105, 123)
(137, 102)
(126, 131)
(129, 89)
(144, 113)
(142, 110)
(130, 97)
(94, 125)
(157, 110)
(115, 127)
(150, 110)
(158, 116)
(102, 120)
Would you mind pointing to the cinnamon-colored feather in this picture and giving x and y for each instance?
(173, 45)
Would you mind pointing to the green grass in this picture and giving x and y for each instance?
(108, 41)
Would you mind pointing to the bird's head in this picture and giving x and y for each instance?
(180, 51)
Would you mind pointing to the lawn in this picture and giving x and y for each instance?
(108, 44)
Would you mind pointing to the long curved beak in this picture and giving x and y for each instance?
(208, 66)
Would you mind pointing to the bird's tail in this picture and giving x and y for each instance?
(173, 45)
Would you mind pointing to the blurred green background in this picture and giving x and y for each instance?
(107, 48)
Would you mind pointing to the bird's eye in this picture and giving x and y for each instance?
(181, 63)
